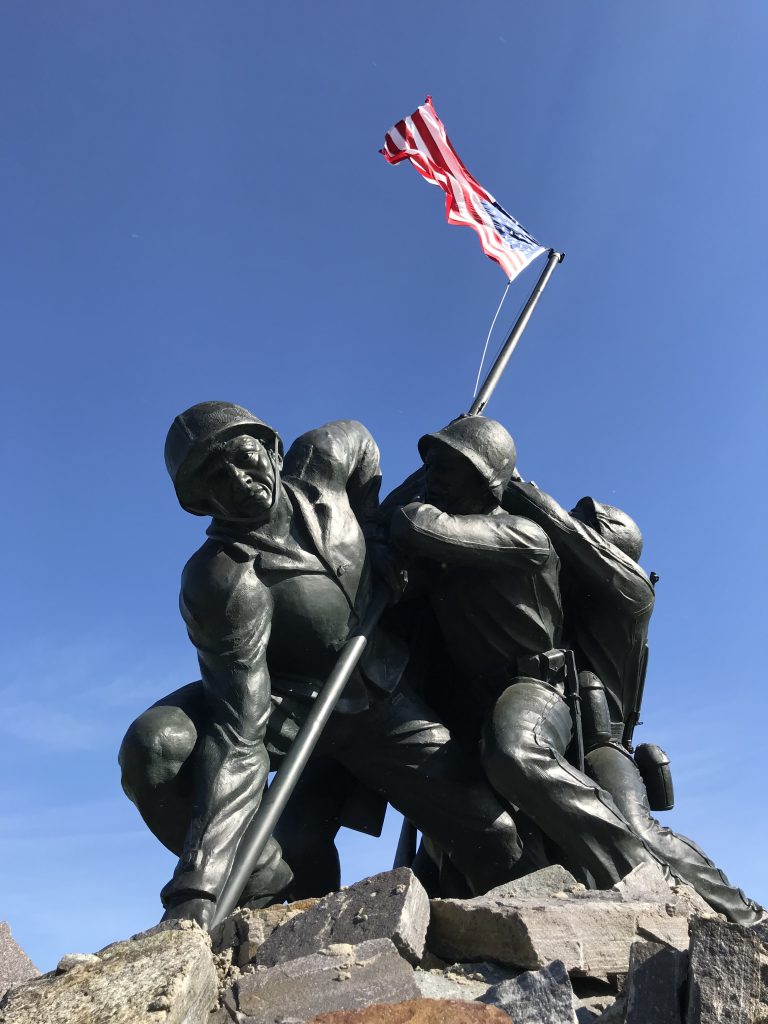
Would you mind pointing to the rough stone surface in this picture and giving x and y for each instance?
(544, 882)
(591, 934)
(723, 974)
(71, 960)
(643, 882)
(592, 998)
(169, 970)
(220, 1015)
(439, 985)
(461, 981)
(624, 956)
(244, 931)
(536, 997)
(647, 882)
(392, 905)
(614, 1014)
(15, 965)
(655, 986)
(342, 977)
(418, 1011)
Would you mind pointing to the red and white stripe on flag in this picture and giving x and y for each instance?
(422, 139)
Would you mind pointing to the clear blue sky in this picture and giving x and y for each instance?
(194, 208)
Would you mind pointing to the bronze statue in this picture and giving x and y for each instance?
(287, 574)
(495, 593)
(608, 601)
(268, 600)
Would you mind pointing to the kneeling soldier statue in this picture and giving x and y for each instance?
(268, 601)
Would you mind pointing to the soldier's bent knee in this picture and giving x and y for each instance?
(509, 763)
(155, 747)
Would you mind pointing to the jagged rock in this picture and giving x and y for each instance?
(244, 931)
(590, 933)
(392, 905)
(545, 882)
(166, 968)
(644, 882)
(437, 985)
(461, 981)
(418, 1011)
(71, 960)
(536, 997)
(15, 965)
(342, 977)
(723, 974)
(647, 881)
(483, 971)
(430, 962)
(657, 976)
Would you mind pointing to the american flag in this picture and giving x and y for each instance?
(421, 138)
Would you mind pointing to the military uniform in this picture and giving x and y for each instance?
(275, 604)
(608, 601)
(496, 595)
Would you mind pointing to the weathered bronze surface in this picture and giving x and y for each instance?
(464, 711)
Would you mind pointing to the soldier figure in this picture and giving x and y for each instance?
(271, 597)
(496, 597)
(608, 601)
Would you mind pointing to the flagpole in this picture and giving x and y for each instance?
(495, 372)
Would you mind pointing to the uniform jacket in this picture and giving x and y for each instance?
(494, 588)
(607, 597)
(331, 476)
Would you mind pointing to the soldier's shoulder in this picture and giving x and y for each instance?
(326, 453)
(536, 535)
(216, 567)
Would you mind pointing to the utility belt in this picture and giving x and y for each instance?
(548, 668)
(556, 669)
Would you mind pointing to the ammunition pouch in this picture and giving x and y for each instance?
(653, 765)
(598, 730)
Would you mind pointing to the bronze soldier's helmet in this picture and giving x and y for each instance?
(612, 523)
(485, 443)
(191, 437)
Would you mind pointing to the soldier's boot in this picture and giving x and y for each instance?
(270, 881)
(615, 771)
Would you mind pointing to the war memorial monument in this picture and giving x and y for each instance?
(466, 649)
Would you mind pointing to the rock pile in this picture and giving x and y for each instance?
(15, 965)
(542, 950)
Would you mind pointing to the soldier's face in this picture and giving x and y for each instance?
(240, 479)
(453, 483)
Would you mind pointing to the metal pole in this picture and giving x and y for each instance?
(276, 797)
(406, 845)
(495, 372)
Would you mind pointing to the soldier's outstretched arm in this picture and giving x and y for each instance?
(228, 614)
(580, 546)
(491, 541)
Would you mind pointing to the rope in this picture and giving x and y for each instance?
(488, 338)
